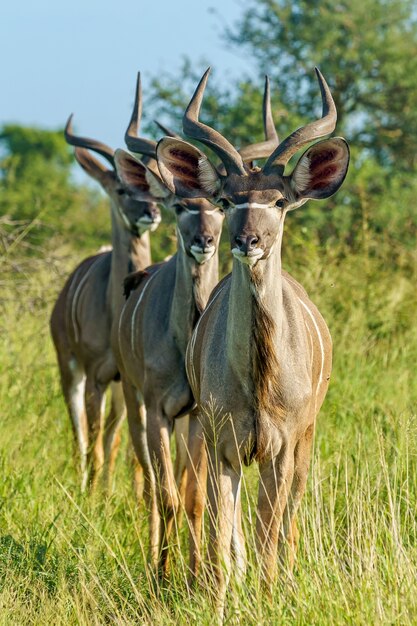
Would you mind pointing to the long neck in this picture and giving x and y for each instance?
(193, 285)
(255, 308)
(129, 254)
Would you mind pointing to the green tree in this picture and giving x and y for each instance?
(366, 48)
(235, 110)
(25, 144)
(37, 186)
(35, 171)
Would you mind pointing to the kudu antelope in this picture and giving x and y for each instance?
(259, 359)
(91, 300)
(146, 149)
(154, 329)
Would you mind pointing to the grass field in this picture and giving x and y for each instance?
(69, 559)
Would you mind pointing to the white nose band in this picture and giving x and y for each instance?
(252, 205)
(198, 212)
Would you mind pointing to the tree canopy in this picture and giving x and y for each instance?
(366, 48)
(36, 184)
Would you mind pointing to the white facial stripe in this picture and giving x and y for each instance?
(252, 205)
(320, 342)
(198, 212)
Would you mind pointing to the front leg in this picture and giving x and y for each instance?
(159, 429)
(137, 420)
(223, 488)
(112, 432)
(238, 540)
(275, 482)
(181, 459)
(196, 490)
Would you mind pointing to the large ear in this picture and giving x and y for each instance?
(137, 177)
(185, 170)
(91, 165)
(321, 170)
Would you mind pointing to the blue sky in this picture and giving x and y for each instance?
(82, 56)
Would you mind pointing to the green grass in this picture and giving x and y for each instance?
(69, 559)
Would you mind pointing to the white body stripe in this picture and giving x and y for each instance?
(132, 324)
(191, 375)
(320, 342)
(76, 295)
(311, 345)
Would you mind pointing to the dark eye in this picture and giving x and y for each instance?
(179, 208)
(280, 203)
(120, 191)
(224, 203)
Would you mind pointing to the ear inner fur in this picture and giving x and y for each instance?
(321, 169)
(134, 177)
(183, 165)
(207, 175)
(179, 165)
(131, 171)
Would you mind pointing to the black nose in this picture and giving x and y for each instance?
(204, 241)
(246, 244)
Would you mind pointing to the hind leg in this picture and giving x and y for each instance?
(181, 458)
(195, 498)
(288, 542)
(95, 404)
(73, 386)
(112, 432)
(136, 470)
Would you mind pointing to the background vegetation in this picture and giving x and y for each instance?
(68, 559)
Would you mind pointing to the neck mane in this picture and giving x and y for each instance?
(254, 337)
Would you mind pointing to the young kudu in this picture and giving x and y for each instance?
(90, 302)
(154, 329)
(259, 359)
